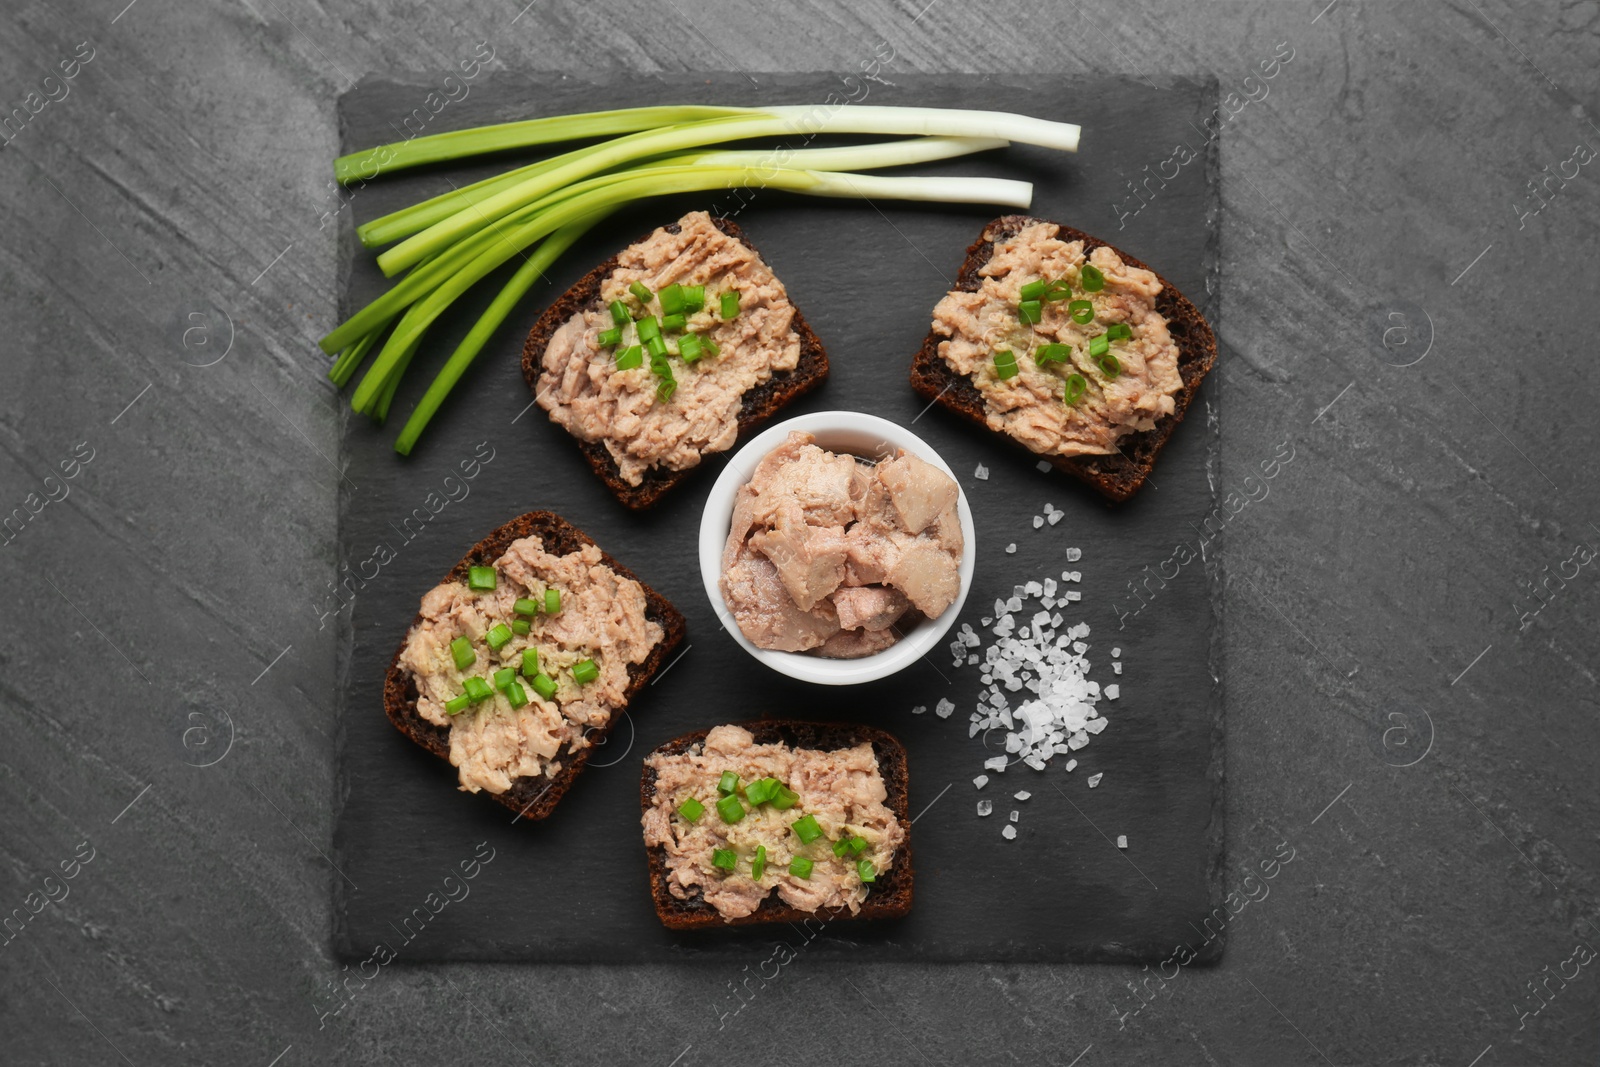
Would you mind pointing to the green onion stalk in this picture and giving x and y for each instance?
(451, 242)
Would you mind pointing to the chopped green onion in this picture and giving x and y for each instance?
(689, 348)
(731, 808)
(1119, 331)
(730, 304)
(552, 601)
(504, 677)
(1075, 388)
(711, 347)
(694, 297)
(1060, 289)
(1005, 364)
(609, 338)
(461, 652)
(639, 290)
(456, 705)
(1098, 346)
(630, 357)
(866, 871)
(1034, 290)
(1044, 355)
(521, 627)
(726, 858)
(758, 865)
(1030, 312)
(727, 783)
(1082, 311)
(481, 579)
(657, 347)
(498, 635)
(858, 845)
(665, 389)
(584, 671)
(1109, 364)
(530, 662)
(672, 299)
(841, 846)
(477, 689)
(619, 313)
(649, 327)
(806, 829)
(691, 809)
(785, 798)
(762, 790)
(800, 867)
(674, 322)
(544, 685)
(1090, 278)
(525, 606)
(517, 695)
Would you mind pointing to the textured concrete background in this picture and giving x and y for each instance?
(1411, 636)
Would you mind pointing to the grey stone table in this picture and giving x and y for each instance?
(1408, 306)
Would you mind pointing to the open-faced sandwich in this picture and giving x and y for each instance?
(1069, 347)
(668, 351)
(520, 661)
(777, 821)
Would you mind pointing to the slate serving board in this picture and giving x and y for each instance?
(573, 888)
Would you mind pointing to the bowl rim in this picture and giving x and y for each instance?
(717, 516)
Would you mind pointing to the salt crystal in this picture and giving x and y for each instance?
(1044, 466)
(1012, 547)
(1038, 521)
(1023, 795)
(1122, 840)
(1116, 667)
(1113, 691)
(1115, 652)
(980, 781)
(919, 709)
(1071, 764)
(1049, 589)
(1094, 726)
(1014, 604)
(1033, 589)
(998, 763)
(1073, 596)
(1094, 779)
(972, 661)
(943, 708)
(1056, 517)
(1074, 555)
(1079, 647)
(982, 473)
(985, 807)
(1014, 815)
(1075, 576)
(1009, 833)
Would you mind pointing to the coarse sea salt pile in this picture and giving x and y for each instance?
(1035, 674)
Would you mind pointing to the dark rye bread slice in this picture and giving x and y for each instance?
(759, 404)
(890, 896)
(532, 797)
(1116, 476)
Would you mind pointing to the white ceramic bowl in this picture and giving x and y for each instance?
(837, 431)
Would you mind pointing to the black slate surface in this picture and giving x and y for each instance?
(866, 275)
